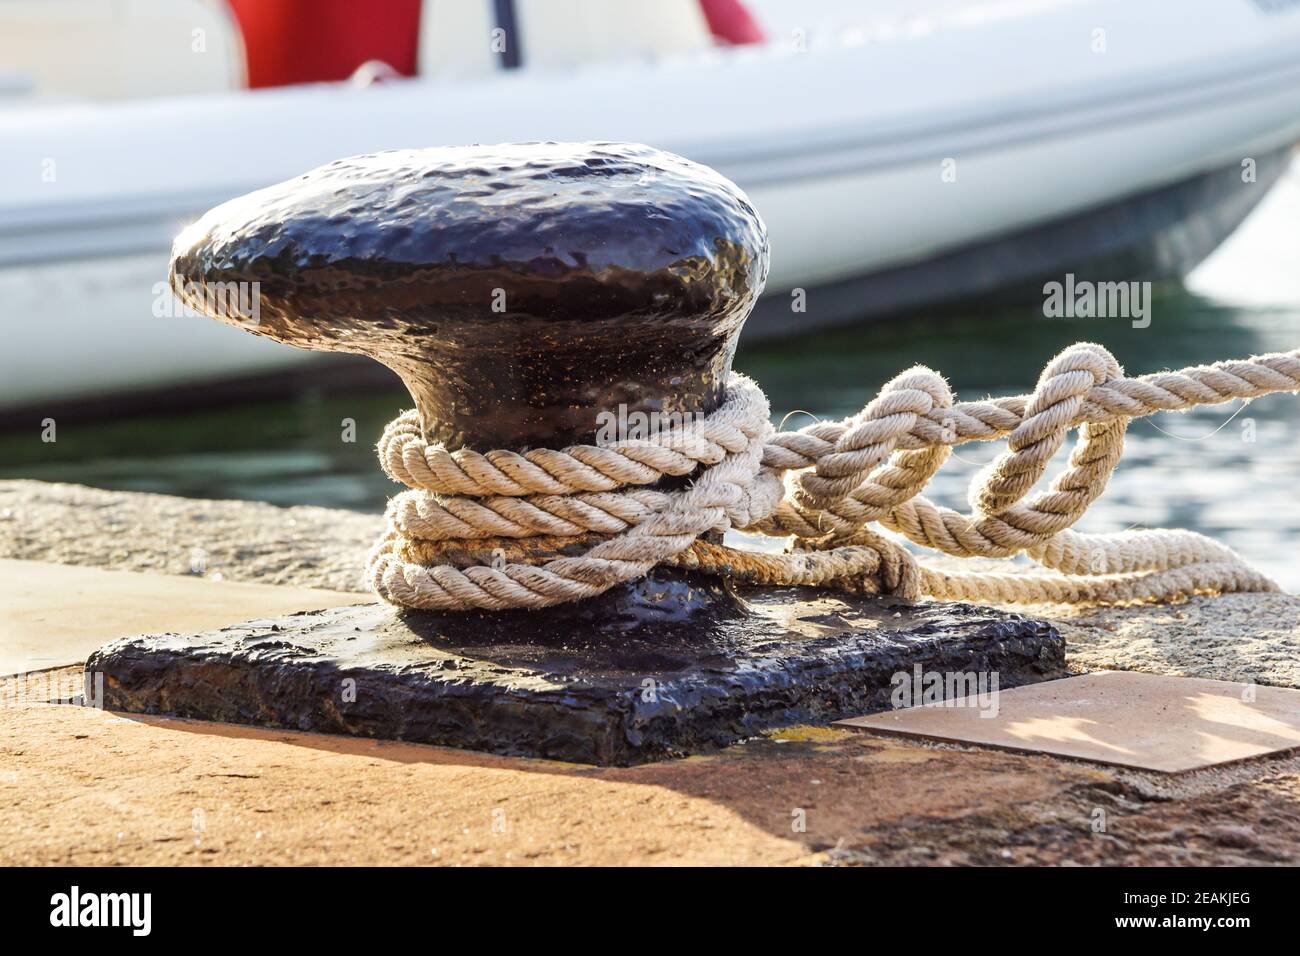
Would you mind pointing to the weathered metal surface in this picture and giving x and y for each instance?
(493, 682)
(518, 290)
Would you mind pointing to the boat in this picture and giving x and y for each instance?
(916, 156)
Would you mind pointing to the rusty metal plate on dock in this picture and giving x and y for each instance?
(1125, 718)
(498, 683)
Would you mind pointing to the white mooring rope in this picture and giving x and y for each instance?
(823, 486)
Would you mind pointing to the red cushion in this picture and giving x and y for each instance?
(309, 41)
(731, 22)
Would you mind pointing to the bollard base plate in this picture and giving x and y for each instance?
(485, 682)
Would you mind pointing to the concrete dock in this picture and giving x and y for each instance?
(83, 785)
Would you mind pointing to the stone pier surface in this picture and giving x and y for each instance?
(1234, 637)
(53, 615)
(89, 787)
(666, 690)
(179, 791)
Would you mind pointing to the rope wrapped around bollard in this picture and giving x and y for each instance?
(824, 486)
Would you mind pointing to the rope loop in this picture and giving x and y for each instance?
(528, 530)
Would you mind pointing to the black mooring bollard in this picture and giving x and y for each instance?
(525, 294)
(519, 291)
(522, 292)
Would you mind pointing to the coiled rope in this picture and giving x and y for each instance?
(824, 486)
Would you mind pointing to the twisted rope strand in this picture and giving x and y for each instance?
(823, 486)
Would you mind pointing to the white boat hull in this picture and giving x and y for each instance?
(952, 135)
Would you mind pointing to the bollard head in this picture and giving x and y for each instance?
(518, 290)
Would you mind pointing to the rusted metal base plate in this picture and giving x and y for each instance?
(497, 683)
